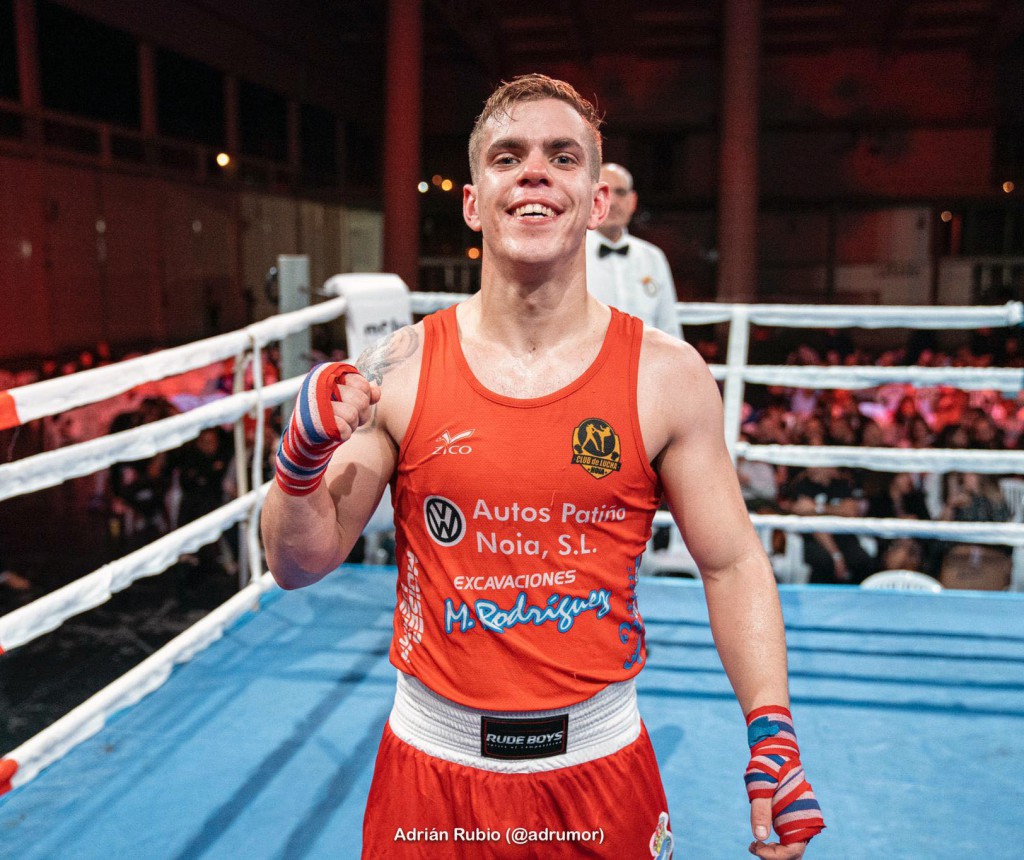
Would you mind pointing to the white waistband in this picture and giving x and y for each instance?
(598, 726)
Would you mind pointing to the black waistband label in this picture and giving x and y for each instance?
(534, 737)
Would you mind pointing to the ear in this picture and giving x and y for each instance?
(470, 213)
(599, 205)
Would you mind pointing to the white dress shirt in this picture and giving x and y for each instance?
(638, 282)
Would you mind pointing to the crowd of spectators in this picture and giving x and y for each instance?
(137, 501)
(890, 416)
(143, 499)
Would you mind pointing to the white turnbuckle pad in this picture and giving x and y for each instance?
(377, 306)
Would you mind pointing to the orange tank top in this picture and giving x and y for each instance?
(520, 528)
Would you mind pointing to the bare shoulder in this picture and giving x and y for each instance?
(669, 363)
(676, 392)
(393, 363)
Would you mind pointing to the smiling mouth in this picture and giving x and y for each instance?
(533, 210)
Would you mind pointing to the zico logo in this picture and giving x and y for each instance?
(450, 444)
(445, 522)
(596, 447)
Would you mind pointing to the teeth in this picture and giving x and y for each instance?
(534, 209)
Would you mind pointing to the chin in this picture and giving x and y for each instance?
(532, 252)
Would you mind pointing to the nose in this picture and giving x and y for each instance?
(534, 170)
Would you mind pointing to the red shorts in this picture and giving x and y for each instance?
(421, 806)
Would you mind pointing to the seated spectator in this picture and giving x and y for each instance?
(906, 422)
(201, 467)
(974, 498)
(138, 488)
(900, 496)
(918, 434)
(770, 426)
(871, 434)
(843, 430)
(949, 408)
(810, 430)
(904, 554)
(985, 435)
(954, 436)
(831, 492)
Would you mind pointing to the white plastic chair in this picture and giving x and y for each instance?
(1013, 492)
(674, 559)
(789, 565)
(1017, 570)
(902, 580)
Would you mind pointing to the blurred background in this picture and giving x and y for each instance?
(156, 158)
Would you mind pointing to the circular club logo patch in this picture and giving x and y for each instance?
(596, 447)
(445, 522)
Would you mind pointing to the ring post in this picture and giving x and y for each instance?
(736, 360)
(293, 295)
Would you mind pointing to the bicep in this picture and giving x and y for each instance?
(701, 484)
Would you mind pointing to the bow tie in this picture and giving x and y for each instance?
(605, 250)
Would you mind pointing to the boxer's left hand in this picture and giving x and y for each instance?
(779, 793)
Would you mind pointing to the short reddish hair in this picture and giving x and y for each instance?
(531, 88)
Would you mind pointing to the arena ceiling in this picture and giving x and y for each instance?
(324, 42)
(506, 36)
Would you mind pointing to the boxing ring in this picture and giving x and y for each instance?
(253, 732)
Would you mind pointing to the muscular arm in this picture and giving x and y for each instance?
(743, 601)
(703, 492)
(306, 537)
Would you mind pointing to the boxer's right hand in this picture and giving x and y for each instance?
(333, 402)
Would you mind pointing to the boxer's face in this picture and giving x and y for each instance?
(534, 197)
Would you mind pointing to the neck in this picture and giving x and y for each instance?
(612, 234)
(524, 308)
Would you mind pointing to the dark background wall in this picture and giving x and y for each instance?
(887, 134)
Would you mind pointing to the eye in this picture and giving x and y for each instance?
(563, 158)
(505, 160)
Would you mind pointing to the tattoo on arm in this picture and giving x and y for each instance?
(387, 353)
(381, 357)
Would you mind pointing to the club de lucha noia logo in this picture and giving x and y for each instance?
(596, 447)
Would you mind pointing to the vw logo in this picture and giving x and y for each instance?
(445, 522)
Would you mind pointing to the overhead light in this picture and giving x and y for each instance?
(1008, 187)
(423, 188)
(447, 185)
(946, 216)
(223, 159)
(473, 253)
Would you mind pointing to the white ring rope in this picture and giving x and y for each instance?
(856, 316)
(53, 467)
(938, 460)
(53, 742)
(53, 396)
(1005, 534)
(47, 613)
(1005, 379)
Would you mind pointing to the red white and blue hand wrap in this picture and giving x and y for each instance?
(312, 434)
(775, 773)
